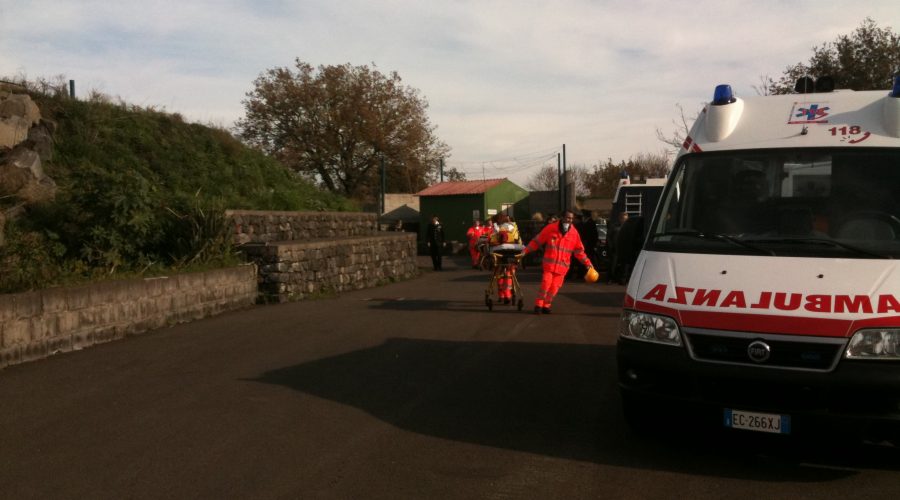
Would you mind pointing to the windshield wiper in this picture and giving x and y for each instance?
(713, 236)
(824, 241)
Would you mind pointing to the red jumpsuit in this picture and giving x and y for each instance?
(558, 250)
(472, 235)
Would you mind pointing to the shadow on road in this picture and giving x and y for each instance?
(552, 399)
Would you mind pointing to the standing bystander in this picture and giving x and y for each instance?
(435, 239)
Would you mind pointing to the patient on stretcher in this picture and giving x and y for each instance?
(505, 238)
(506, 245)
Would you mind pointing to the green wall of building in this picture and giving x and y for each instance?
(455, 211)
(509, 193)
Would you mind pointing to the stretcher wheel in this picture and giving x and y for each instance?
(520, 304)
(489, 303)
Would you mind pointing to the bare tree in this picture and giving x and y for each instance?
(682, 126)
(765, 84)
(579, 175)
(545, 179)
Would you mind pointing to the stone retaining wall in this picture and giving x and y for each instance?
(295, 270)
(298, 255)
(251, 226)
(38, 324)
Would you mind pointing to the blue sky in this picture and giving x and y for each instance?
(507, 82)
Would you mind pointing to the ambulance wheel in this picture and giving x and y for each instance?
(490, 303)
(520, 304)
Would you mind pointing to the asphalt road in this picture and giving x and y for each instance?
(412, 390)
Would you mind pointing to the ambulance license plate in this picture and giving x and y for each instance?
(759, 422)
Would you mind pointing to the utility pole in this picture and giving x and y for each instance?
(383, 185)
(442, 170)
(565, 188)
(559, 181)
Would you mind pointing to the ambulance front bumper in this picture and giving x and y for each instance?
(856, 396)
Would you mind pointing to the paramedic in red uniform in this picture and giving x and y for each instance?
(560, 241)
(473, 234)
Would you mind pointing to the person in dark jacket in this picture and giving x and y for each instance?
(612, 242)
(587, 229)
(435, 239)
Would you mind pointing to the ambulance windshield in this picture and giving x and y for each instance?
(836, 203)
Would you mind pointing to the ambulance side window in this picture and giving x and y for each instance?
(675, 215)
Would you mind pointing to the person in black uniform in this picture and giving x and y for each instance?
(435, 239)
(589, 235)
(612, 243)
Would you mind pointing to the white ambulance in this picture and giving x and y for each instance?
(766, 295)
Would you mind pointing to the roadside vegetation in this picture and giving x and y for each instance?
(140, 193)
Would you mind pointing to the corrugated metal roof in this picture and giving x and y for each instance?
(460, 188)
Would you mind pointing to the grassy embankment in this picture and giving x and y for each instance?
(140, 193)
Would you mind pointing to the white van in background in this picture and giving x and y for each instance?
(766, 295)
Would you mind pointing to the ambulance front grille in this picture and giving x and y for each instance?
(809, 353)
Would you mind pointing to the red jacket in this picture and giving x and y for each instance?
(558, 248)
(473, 234)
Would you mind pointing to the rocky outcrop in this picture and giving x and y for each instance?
(26, 143)
(18, 113)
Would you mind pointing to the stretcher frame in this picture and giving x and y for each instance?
(504, 263)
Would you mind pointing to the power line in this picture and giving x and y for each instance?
(518, 157)
(506, 166)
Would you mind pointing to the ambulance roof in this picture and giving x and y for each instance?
(835, 119)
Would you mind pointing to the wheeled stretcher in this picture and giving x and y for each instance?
(484, 251)
(504, 261)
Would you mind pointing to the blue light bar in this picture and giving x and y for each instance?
(896, 90)
(723, 95)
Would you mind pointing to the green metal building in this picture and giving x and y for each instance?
(458, 204)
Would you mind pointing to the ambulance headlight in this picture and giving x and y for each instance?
(875, 344)
(649, 328)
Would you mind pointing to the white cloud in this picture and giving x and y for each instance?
(502, 77)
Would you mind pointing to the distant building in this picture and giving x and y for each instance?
(600, 208)
(457, 204)
(545, 202)
(393, 201)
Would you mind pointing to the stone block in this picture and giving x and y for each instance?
(27, 304)
(10, 356)
(86, 317)
(69, 322)
(81, 339)
(154, 287)
(40, 139)
(54, 300)
(7, 307)
(78, 297)
(17, 332)
(106, 334)
(46, 326)
(20, 105)
(58, 345)
(13, 131)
